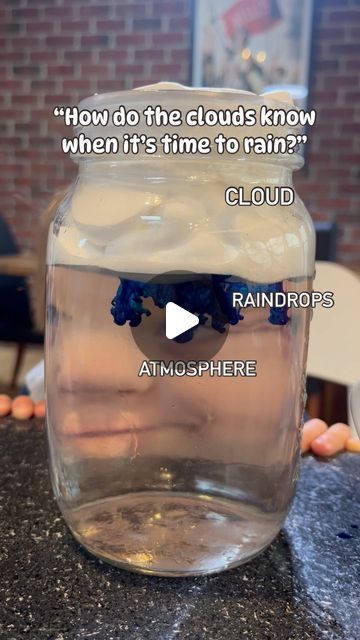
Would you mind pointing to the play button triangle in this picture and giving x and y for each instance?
(178, 320)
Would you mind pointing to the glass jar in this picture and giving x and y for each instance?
(174, 474)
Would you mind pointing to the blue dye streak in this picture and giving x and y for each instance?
(344, 536)
(209, 298)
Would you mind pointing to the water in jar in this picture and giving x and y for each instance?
(170, 475)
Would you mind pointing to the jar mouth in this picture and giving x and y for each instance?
(172, 92)
(292, 162)
(171, 96)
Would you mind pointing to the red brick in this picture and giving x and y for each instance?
(57, 99)
(26, 43)
(181, 24)
(318, 158)
(349, 219)
(149, 54)
(41, 141)
(43, 85)
(43, 169)
(337, 144)
(94, 41)
(334, 203)
(348, 188)
(313, 188)
(168, 8)
(110, 25)
(26, 70)
(350, 127)
(324, 97)
(59, 12)
(353, 96)
(127, 69)
(12, 85)
(96, 12)
(320, 216)
(151, 24)
(180, 55)
(12, 56)
(11, 114)
(27, 235)
(74, 26)
(94, 70)
(345, 49)
(332, 173)
(60, 70)
(327, 65)
(352, 64)
(26, 13)
(79, 85)
(77, 56)
(59, 41)
(334, 113)
(43, 56)
(346, 16)
(130, 38)
(342, 81)
(331, 33)
(28, 127)
(119, 55)
(40, 27)
(166, 69)
(10, 141)
(54, 155)
(11, 28)
(117, 84)
(133, 9)
(355, 33)
(167, 38)
(350, 248)
(39, 114)
(27, 153)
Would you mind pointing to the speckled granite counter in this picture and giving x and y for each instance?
(306, 585)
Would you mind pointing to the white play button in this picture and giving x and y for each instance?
(178, 320)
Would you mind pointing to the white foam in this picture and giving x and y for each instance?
(263, 244)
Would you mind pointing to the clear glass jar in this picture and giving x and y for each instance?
(160, 474)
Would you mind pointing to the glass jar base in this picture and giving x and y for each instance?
(173, 534)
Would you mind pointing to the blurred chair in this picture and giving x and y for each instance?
(326, 234)
(16, 323)
(334, 346)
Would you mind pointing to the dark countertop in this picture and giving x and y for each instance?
(305, 585)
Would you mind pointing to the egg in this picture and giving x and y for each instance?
(5, 405)
(40, 409)
(22, 408)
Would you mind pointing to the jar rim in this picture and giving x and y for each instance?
(172, 92)
(171, 96)
(293, 162)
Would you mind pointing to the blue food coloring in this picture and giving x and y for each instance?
(210, 297)
(344, 536)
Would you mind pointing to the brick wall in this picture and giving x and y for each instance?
(330, 183)
(58, 51)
